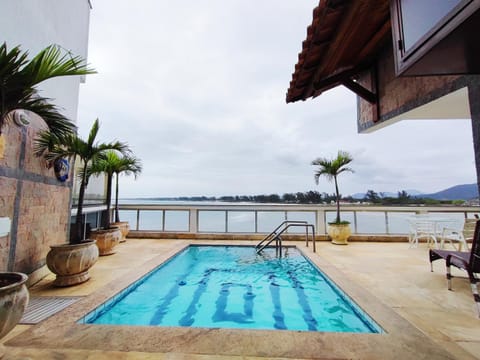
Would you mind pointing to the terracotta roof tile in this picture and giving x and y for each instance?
(339, 39)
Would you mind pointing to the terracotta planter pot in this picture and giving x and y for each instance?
(13, 301)
(339, 233)
(124, 229)
(107, 240)
(71, 262)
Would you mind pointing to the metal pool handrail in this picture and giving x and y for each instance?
(280, 229)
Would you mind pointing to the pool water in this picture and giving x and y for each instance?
(233, 287)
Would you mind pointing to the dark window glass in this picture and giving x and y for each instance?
(421, 16)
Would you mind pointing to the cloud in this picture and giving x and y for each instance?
(198, 89)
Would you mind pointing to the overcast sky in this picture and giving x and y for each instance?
(197, 89)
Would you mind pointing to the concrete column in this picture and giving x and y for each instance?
(320, 227)
(193, 221)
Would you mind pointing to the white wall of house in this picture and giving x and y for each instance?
(35, 24)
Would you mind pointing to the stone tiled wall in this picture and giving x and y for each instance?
(8, 189)
(33, 198)
(397, 95)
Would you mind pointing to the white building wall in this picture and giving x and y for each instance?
(35, 24)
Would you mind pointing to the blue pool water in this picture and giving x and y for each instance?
(233, 287)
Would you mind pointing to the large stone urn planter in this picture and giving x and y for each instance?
(107, 240)
(339, 233)
(124, 229)
(71, 262)
(13, 301)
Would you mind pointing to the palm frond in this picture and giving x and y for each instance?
(122, 147)
(129, 165)
(19, 77)
(133, 166)
(45, 144)
(343, 169)
(11, 61)
(52, 62)
(114, 161)
(332, 167)
(93, 133)
(53, 147)
(56, 122)
(102, 163)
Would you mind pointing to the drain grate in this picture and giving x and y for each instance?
(40, 308)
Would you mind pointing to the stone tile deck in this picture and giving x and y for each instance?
(422, 319)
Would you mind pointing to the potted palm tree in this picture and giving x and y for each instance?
(86, 151)
(114, 163)
(338, 230)
(107, 239)
(127, 165)
(19, 78)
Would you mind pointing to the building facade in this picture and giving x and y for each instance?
(34, 204)
(405, 60)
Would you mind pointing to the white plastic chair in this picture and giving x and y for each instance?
(459, 235)
(420, 229)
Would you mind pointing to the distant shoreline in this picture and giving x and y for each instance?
(463, 192)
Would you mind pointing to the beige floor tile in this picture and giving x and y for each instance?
(382, 275)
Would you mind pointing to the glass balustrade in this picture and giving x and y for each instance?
(253, 218)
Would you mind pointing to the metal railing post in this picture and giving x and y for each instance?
(355, 221)
(306, 236)
(313, 239)
(226, 221)
(138, 219)
(387, 227)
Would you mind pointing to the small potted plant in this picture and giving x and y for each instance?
(73, 269)
(338, 230)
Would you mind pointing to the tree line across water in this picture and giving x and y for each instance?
(315, 197)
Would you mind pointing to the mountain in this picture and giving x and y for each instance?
(457, 192)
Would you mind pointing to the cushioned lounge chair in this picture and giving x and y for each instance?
(465, 260)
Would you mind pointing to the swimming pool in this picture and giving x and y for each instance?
(233, 287)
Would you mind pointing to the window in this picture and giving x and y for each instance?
(435, 37)
(420, 18)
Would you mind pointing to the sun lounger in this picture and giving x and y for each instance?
(465, 260)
